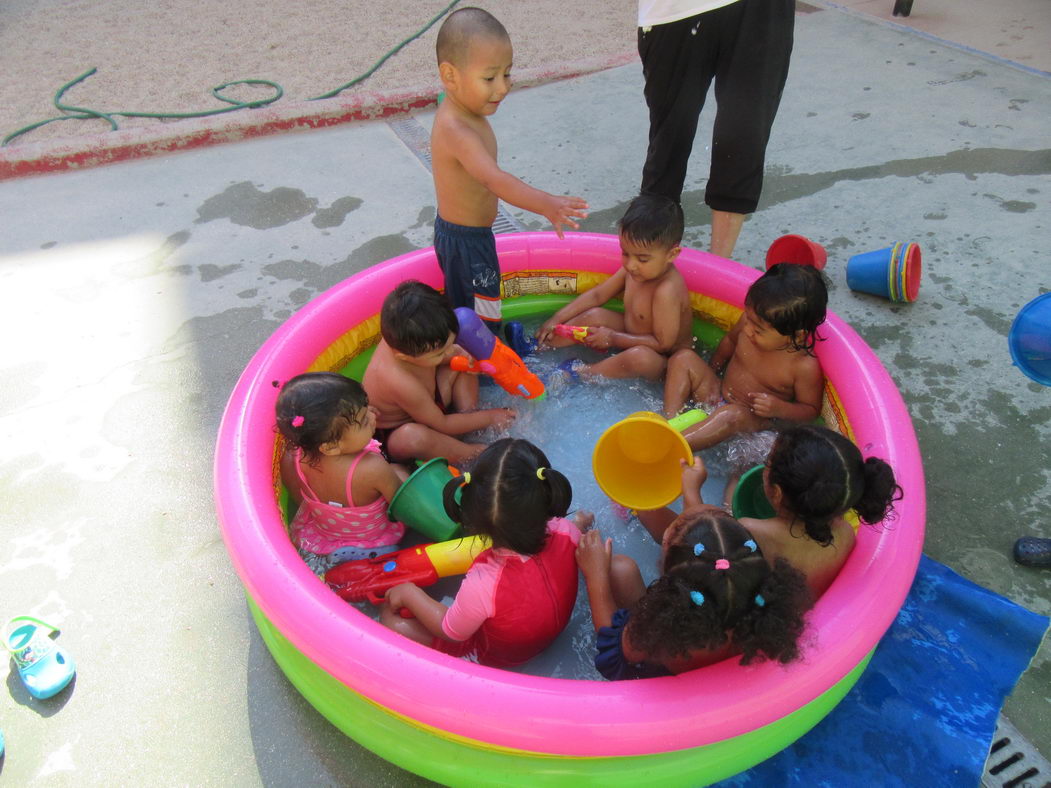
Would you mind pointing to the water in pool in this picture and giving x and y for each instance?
(566, 425)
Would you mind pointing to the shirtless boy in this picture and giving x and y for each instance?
(771, 371)
(474, 64)
(421, 402)
(657, 320)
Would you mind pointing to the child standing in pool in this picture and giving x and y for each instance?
(474, 64)
(657, 319)
(716, 598)
(333, 467)
(812, 478)
(771, 375)
(421, 402)
(518, 595)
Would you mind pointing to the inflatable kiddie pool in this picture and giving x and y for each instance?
(456, 722)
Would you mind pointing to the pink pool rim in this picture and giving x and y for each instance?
(559, 716)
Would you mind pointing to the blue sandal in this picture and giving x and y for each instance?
(44, 667)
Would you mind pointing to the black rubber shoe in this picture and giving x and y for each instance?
(1033, 551)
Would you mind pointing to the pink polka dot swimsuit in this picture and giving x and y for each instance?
(321, 528)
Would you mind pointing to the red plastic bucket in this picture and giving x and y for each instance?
(796, 249)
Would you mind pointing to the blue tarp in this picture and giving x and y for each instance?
(924, 711)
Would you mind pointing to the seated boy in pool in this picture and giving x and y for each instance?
(657, 320)
(422, 403)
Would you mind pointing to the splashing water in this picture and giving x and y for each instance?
(566, 425)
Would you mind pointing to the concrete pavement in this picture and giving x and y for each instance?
(133, 295)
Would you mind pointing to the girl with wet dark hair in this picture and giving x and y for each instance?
(813, 478)
(770, 375)
(333, 468)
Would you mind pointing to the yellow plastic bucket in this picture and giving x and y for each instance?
(636, 461)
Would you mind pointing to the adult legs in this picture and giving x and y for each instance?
(753, 65)
(678, 64)
(726, 227)
(746, 47)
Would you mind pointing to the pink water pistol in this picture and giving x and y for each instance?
(576, 333)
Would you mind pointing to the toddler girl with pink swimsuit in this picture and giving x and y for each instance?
(518, 595)
(333, 467)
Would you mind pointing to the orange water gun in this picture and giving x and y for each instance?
(492, 357)
(371, 578)
(576, 333)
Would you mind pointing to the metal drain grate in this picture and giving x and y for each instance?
(505, 222)
(1013, 762)
(415, 136)
(418, 140)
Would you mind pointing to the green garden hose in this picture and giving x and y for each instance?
(71, 112)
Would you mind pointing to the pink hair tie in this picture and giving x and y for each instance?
(722, 563)
(298, 421)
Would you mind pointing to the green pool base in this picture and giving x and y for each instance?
(458, 761)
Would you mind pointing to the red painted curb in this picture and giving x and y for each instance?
(73, 153)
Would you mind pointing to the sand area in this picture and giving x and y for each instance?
(166, 57)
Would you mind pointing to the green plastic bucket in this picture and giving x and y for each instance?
(418, 502)
(749, 498)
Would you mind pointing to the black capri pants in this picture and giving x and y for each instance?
(745, 47)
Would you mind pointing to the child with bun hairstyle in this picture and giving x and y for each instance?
(332, 466)
(813, 477)
(518, 594)
(717, 597)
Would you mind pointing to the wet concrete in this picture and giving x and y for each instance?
(134, 295)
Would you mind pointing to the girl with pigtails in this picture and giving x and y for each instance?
(813, 477)
(518, 594)
(716, 598)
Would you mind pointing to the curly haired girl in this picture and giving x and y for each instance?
(716, 598)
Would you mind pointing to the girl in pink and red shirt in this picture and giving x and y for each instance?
(518, 595)
(333, 467)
